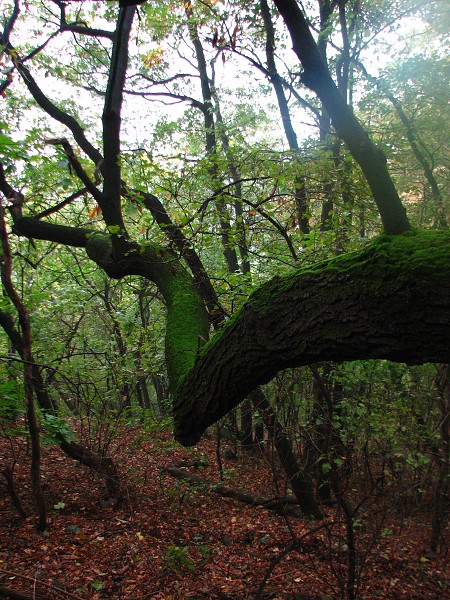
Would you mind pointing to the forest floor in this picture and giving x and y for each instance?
(168, 539)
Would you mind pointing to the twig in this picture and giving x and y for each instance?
(9, 593)
(43, 583)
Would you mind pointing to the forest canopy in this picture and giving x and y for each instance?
(193, 152)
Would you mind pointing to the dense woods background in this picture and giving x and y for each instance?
(238, 171)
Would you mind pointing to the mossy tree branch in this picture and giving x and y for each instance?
(187, 327)
(391, 301)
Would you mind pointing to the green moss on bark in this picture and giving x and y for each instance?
(413, 250)
(187, 327)
(389, 300)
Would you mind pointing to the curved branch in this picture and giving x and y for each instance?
(57, 207)
(281, 230)
(11, 21)
(186, 250)
(47, 105)
(76, 165)
(390, 300)
(4, 40)
(78, 26)
(178, 97)
(31, 227)
(187, 326)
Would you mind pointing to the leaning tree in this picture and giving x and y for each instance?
(390, 299)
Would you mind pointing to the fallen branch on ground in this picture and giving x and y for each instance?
(283, 506)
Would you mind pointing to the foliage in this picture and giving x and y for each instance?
(54, 428)
(11, 401)
(98, 341)
(178, 559)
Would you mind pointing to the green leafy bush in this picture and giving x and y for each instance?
(53, 428)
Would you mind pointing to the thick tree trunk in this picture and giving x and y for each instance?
(390, 300)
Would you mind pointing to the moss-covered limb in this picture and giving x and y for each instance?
(187, 320)
(390, 300)
(187, 326)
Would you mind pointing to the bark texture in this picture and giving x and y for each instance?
(390, 301)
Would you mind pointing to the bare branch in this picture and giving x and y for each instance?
(48, 106)
(75, 164)
(60, 205)
(79, 26)
(111, 118)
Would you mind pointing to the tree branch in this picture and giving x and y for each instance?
(391, 300)
(47, 105)
(371, 160)
(111, 119)
(11, 21)
(176, 237)
(76, 165)
(53, 209)
(79, 27)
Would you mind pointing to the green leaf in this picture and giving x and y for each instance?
(97, 585)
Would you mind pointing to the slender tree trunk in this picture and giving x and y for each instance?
(9, 477)
(24, 321)
(370, 158)
(99, 464)
(301, 487)
(414, 144)
(442, 458)
(299, 480)
(246, 429)
(300, 187)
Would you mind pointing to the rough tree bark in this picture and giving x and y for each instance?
(390, 300)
